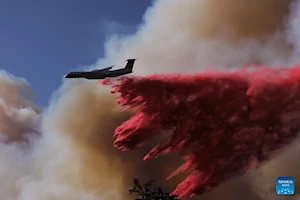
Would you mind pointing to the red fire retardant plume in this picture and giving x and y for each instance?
(223, 124)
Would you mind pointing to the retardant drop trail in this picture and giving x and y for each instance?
(223, 124)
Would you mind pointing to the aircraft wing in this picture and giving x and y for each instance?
(103, 70)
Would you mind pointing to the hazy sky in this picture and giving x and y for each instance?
(41, 40)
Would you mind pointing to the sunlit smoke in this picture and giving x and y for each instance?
(18, 115)
(187, 36)
(17, 112)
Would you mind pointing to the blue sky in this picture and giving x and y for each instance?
(42, 40)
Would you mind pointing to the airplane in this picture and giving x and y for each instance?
(103, 73)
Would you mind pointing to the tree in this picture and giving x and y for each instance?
(147, 192)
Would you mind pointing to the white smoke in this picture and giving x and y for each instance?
(293, 32)
(185, 36)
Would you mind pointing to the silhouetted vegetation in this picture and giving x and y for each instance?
(147, 192)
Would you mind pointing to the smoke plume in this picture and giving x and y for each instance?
(66, 151)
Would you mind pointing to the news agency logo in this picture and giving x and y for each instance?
(285, 185)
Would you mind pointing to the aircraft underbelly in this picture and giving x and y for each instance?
(95, 76)
(117, 73)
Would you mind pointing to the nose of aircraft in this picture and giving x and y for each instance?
(74, 75)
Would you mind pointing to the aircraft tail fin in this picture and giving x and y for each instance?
(129, 65)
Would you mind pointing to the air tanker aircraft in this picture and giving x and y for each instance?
(103, 73)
